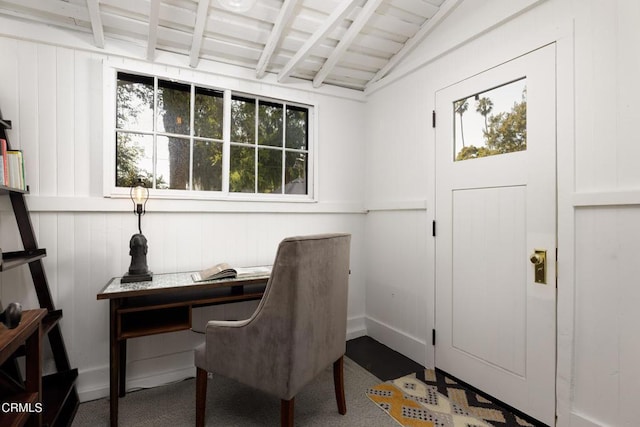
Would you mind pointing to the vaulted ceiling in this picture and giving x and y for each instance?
(347, 43)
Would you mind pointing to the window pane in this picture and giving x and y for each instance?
(134, 102)
(295, 174)
(270, 124)
(208, 113)
(269, 171)
(242, 169)
(243, 120)
(297, 127)
(207, 166)
(134, 159)
(173, 107)
(172, 167)
(492, 122)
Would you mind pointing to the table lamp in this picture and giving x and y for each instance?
(138, 270)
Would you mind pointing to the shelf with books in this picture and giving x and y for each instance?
(59, 396)
(11, 167)
(6, 190)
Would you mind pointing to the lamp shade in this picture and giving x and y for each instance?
(139, 194)
(237, 5)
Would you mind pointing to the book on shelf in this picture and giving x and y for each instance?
(4, 170)
(15, 166)
(226, 271)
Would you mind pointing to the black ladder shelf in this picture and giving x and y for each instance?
(59, 395)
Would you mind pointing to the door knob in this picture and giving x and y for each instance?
(536, 259)
(539, 261)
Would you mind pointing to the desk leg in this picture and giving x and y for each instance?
(114, 360)
(33, 368)
(123, 368)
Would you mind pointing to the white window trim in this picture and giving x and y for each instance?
(109, 75)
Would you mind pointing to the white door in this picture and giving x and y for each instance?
(495, 206)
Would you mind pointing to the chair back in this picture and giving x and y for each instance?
(305, 305)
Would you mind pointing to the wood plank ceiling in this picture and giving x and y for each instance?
(347, 43)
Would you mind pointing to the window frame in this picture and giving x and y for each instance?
(197, 79)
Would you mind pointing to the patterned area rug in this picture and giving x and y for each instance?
(432, 399)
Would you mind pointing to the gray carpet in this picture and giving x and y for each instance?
(232, 404)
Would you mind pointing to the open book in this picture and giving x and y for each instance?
(225, 271)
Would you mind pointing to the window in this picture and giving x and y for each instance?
(175, 136)
(492, 122)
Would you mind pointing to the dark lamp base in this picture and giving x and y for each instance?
(130, 278)
(12, 315)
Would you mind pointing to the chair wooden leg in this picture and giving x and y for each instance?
(286, 413)
(201, 395)
(338, 383)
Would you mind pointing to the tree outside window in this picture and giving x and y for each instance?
(171, 135)
(491, 123)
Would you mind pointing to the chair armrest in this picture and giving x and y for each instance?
(227, 323)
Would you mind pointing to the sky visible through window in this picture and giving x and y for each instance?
(469, 130)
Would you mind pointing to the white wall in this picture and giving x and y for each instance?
(598, 377)
(53, 95)
(400, 161)
(603, 375)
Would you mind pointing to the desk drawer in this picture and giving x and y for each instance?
(141, 321)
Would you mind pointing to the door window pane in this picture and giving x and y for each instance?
(492, 122)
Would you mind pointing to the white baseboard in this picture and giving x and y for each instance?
(412, 347)
(581, 420)
(93, 383)
(356, 327)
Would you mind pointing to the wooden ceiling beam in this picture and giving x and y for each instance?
(96, 22)
(354, 30)
(286, 11)
(154, 19)
(198, 32)
(55, 7)
(334, 19)
(447, 7)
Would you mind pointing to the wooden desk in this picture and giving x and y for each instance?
(28, 332)
(162, 305)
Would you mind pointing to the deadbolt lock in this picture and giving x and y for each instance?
(539, 261)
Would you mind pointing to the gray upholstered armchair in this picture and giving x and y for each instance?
(298, 329)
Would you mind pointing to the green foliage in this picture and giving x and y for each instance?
(504, 132)
(242, 169)
(127, 172)
(135, 99)
(175, 110)
(484, 106)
